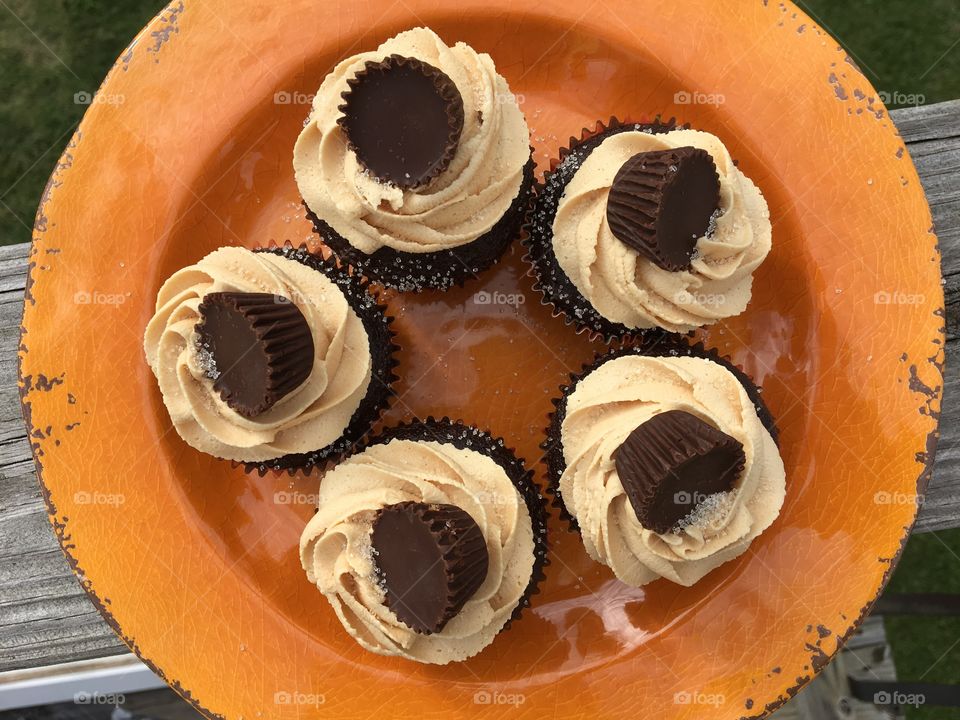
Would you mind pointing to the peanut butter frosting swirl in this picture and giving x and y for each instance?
(623, 286)
(462, 203)
(310, 417)
(604, 408)
(336, 551)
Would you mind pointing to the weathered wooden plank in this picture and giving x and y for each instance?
(932, 134)
(44, 616)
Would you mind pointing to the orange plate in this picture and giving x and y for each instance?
(188, 148)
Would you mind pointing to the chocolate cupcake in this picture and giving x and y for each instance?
(665, 458)
(415, 163)
(641, 226)
(428, 542)
(272, 358)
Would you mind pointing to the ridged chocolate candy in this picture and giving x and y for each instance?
(671, 463)
(403, 118)
(661, 202)
(430, 559)
(258, 346)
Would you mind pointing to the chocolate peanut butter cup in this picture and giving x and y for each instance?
(661, 203)
(403, 119)
(671, 463)
(430, 559)
(259, 346)
(467, 437)
(670, 346)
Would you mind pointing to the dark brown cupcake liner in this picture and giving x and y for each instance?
(378, 326)
(555, 287)
(441, 270)
(673, 346)
(467, 437)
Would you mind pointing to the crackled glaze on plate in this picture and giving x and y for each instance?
(195, 564)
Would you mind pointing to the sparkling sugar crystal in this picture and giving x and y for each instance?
(710, 513)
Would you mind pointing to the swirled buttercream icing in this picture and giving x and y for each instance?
(310, 417)
(462, 203)
(337, 554)
(611, 401)
(627, 288)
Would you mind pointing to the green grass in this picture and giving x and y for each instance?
(924, 649)
(52, 49)
(911, 47)
(49, 51)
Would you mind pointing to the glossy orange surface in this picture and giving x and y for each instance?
(188, 148)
